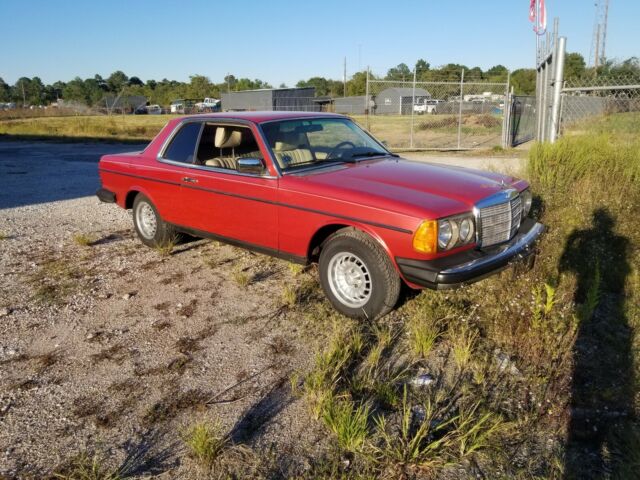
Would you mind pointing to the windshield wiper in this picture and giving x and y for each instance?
(370, 153)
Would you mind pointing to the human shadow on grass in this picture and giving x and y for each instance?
(250, 425)
(602, 437)
(152, 454)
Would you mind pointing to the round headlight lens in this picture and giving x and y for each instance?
(445, 233)
(526, 199)
(466, 230)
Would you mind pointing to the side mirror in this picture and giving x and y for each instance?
(253, 166)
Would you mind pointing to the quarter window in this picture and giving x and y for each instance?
(183, 145)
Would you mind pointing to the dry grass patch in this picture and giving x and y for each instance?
(84, 240)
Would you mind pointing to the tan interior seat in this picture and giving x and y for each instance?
(225, 138)
(292, 148)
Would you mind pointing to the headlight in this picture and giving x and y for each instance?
(444, 234)
(466, 230)
(526, 199)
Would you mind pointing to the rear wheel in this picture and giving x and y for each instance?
(357, 275)
(151, 229)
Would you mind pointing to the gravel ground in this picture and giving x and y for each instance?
(113, 347)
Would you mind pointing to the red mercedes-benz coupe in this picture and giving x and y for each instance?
(311, 187)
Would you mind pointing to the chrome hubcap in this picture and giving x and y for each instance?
(147, 222)
(349, 279)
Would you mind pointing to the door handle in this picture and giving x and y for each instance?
(189, 180)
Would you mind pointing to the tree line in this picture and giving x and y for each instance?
(93, 91)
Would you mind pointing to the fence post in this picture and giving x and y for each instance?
(413, 102)
(506, 112)
(366, 100)
(460, 109)
(558, 79)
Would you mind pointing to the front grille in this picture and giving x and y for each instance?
(499, 223)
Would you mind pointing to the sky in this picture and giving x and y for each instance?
(283, 41)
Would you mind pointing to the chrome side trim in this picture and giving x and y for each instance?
(204, 168)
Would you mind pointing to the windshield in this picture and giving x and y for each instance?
(317, 141)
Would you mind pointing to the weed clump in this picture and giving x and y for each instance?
(205, 442)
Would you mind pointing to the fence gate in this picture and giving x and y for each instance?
(453, 114)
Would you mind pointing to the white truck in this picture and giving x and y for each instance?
(425, 105)
(208, 105)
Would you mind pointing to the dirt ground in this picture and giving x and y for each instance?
(108, 345)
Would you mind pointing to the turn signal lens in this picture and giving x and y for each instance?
(425, 239)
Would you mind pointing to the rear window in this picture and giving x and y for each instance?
(183, 145)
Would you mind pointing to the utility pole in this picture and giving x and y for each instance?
(24, 97)
(597, 56)
(344, 77)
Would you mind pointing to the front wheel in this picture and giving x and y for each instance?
(151, 229)
(357, 275)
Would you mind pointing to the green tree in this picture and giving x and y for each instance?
(135, 81)
(474, 73)
(422, 65)
(116, 81)
(28, 91)
(497, 73)
(248, 84)
(321, 85)
(400, 72)
(357, 85)
(201, 87)
(5, 91)
(524, 81)
(450, 72)
(74, 91)
(574, 65)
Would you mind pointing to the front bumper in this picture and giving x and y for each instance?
(471, 265)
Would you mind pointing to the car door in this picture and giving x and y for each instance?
(161, 180)
(219, 200)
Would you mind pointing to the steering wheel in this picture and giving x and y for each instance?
(340, 146)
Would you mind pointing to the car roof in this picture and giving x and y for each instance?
(266, 116)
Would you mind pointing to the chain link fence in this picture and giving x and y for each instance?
(589, 97)
(431, 115)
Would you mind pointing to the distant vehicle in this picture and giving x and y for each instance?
(209, 105)
(154, 109)
(312, 187)
(426, 106)
(182, 106)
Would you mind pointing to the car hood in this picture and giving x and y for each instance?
(407, 186)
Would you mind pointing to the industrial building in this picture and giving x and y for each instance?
(399, 100)
(355, 105)
(284, 99)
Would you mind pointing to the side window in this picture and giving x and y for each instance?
(221, 146)
(183, 144)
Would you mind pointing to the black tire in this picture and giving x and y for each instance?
(360, 248)
(163, 234)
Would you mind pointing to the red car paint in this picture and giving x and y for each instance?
(387, 197)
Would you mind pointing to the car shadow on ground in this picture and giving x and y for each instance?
(603, 437)
(33, 172)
